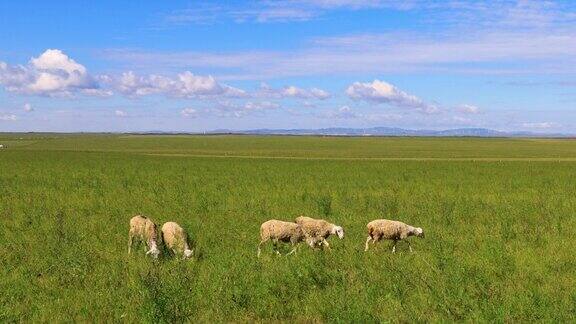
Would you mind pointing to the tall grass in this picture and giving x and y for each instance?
(499, 244)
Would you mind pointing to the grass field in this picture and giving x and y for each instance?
(499, 217)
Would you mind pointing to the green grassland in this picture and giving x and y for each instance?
(304, 146)
(499, 217)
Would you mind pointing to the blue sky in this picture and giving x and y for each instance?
(204, 65)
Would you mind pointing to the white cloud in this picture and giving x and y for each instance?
(120, 113)
(28, 107)
(314, 93)
(541, 125)
(264, 105)
(478, 52)
(97, 92)
(8, 117)
(190, 85)
(54, 59)
(132, 85)
(274, 14)
(357, 4)
(265, 12)
(468, 109)
(344, 112)
(12, 76)
(195, 85)
(463, 36)
(277, 11)
(185, 85)
(291, 92)
(384, 92)
(189, 113)
(53, 73)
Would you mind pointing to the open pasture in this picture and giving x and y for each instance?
(499, 216)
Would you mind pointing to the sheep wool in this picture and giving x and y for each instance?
(280, 231)
(175, 238)
(391, 230)
(318, 230)
(144, 230)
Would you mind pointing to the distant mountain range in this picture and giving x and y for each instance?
(389, 131)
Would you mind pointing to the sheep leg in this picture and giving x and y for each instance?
(325, 243)
(130, 241)
(260, 245)
(394, 247)
(275, 247)
(311, 242)
(368, 241)
(409, 245)
(316, 243)
(293, 250)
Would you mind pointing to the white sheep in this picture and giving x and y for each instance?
(144, 230)
(275, 231)
(318, 230)
(391, 230)
(175, 238)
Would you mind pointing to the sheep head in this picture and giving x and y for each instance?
(188, 253)
(154, 252)
(418, 231)
(338, 230)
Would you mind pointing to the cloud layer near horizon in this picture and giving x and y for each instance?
(54, 74)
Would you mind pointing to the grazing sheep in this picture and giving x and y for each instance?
(318, 230)
(391, 230)
(144, 230)
(176, 239)
(276, 230)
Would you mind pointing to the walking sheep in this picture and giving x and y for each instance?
(276, 230)
(175, 238)
(391, 230)
(144, 230)
(318, 230)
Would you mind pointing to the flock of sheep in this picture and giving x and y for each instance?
(173, 236)
(304, 229)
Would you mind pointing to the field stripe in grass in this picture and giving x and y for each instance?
(472, 159)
